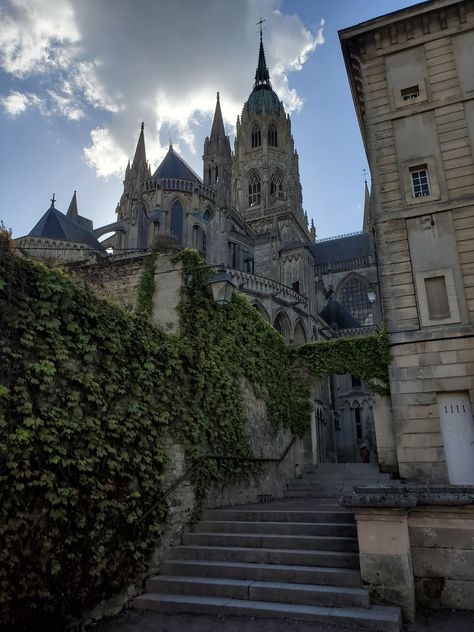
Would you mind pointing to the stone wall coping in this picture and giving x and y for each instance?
(408, 496)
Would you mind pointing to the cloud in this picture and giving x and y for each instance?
(115, 64)
(15, 103)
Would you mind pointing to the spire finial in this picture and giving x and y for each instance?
(218, 97)
(53, 200)
(143, 126)
(259, 24)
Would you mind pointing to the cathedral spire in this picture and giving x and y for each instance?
(217, 131)
(72, 210)
(262, 76)
(139, 161)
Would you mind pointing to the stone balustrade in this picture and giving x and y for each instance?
(265, 287)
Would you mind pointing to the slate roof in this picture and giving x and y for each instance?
(335, 314)
(341, 248)
(56, 225)
(173, 166)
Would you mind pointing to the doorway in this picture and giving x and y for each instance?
(457, 428)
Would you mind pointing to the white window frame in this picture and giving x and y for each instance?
(407, 168)
(420, 178)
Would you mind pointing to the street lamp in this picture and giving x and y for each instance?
(371, 295)
(222, 287)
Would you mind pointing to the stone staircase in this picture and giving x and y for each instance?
(292, 558)
(332, 480)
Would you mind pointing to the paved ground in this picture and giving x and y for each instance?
(133, 621)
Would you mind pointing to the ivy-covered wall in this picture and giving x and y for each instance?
(88, 397)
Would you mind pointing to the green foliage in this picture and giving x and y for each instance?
(88, 396)
(223, 345)
(146, 287)
(84, 407)
(368, 357)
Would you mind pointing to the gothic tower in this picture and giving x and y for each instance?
(217, 159)
(265, 174)
(131, 207)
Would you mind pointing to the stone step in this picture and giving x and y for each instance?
(307, 542)
(382, 619)
(277, 528)
(304, 557)
(324, 576)
(256, 515)
(305, 594)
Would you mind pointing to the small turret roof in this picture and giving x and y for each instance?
(139, 160)
(56, 225)
(173, 166)
(72, 210)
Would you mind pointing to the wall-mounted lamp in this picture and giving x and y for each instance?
(222, 287)
(371, 295)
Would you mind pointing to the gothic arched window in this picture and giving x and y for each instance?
(276, 186)
(256, 136)
(354, 298)
(272, 135)
(176, 223)
(255, 189)
(200, 239)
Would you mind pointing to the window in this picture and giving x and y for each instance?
(200, 240)
(410, 94)
(358, 424)
(217, 174)
(256, 136)
(354, 298)
(177, 221)
(255, 189)
(272, 135)
(437, 298)
(296, 286)
(356, 381)
(419, 181)
(276, 186)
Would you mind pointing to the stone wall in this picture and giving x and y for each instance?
(442, 548)
(266, 442)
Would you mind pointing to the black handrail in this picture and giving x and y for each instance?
(215, 457)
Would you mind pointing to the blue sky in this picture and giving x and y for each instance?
(78, 76)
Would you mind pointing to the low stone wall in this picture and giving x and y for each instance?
(416, 545)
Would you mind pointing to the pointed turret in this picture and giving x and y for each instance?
(217, 131)
(262, 76)
(139, 161)
(72, 210)
(367, 207)
(313, 229)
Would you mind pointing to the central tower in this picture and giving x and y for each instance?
(266, 185)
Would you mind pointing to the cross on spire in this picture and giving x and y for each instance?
(259, 24)
(53, 200)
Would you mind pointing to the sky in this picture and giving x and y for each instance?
(77, 78)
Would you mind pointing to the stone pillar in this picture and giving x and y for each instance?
(385, 558)
(385, 434)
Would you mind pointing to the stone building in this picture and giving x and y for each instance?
(246, 213)
(413, 85)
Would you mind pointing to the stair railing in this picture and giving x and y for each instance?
(214, 457)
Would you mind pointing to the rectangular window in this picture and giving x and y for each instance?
(419, 181)
(410, 94)
(437, 298)
(358, 424)
(356, 381)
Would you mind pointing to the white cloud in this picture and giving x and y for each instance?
(15, 103)
(118, 63)
(104, 155)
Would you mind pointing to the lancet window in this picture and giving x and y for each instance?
(255, 189)
(272, 136)
(276, 186)
(256, 136)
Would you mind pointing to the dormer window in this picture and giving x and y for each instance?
(410, 94)
(256, 136)
(272, 136)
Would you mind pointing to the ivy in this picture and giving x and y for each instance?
(146, 287)
(89, 398)
(367, 356)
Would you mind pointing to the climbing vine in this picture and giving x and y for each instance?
(89, 397)
(146, 287)
(367, 357)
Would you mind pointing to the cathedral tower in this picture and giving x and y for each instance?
(217, 159)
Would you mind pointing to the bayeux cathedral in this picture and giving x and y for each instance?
(246, 212)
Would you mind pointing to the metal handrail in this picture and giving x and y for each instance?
(215, 457)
